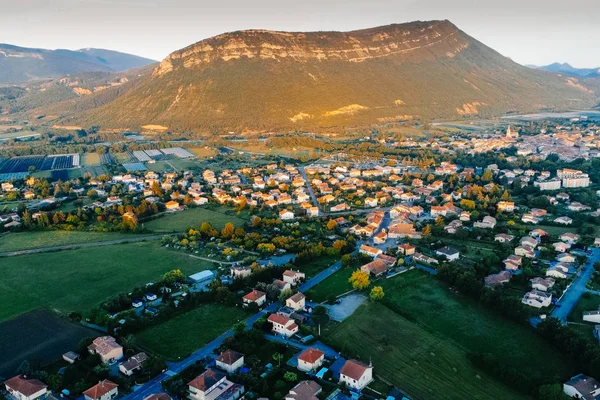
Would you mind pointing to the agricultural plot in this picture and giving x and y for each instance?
(40, 163)
(91, 159)
(38, 335)
(78, 280)
(192, 217)
(40, 239)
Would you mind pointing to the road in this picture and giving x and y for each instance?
(133, 239)
(311, 192)
(154, 385)
(577, 288)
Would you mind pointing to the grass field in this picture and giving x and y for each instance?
(90, 159)
(425, 365)
(33, 240)
(422, 345)
(203, 152)
(78, 280)
(187, 332)
(335, 285)
(431, 305)
(585, 303)
(192, 217)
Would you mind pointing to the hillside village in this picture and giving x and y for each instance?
(295, 250)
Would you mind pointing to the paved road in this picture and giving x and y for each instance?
(133, 239)
(310, 190)
(154, 385)
(577, 288)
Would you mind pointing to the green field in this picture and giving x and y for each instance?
(589, 302)
(78, 280)
(192, 217)
(335, 285)
(422, 345)
(177, 163)
(182, 335)
(39, 239)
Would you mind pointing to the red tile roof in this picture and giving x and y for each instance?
(279, 319)
(254, 295)
(354, 369)
(311, 355)
(100, 389)
(207, 380)
(25, 386)
(229, 357)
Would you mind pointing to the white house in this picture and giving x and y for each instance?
(296, 302)
(449, 253)
(212, 385)
(22, 388)
(286, 215)
(103, 390)
(558, 271)
(310, 359)
(370, 251)
(542, 284)
(356, 375)
(230, 361)
(293, 277)
(283, 325)
(107, 347)
(582, 387)
(134, 364)
(537, 299)
(255, 296)
(592, 316)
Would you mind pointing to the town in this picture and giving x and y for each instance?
(379, 267)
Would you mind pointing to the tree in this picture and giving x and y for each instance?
(332, 224)
(487, 176)
(173, 276)
(359, 280)
(377, 293)
(277, 357)
(551, 392)
(228, 231)
(346, 260)
(426, 233)
(290, 376)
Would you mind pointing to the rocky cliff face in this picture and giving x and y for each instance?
(428, 39)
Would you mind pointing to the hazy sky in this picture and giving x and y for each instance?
(528, 31)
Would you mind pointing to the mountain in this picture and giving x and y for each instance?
(19, 64)
(567, 69)
(265, 80)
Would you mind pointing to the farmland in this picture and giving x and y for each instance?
(78, 280)
(193, 330)
(37, 335)
(422, 333)
(180, 221)
(335, 285)
(41, 239)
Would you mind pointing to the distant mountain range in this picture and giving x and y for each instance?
(20, 64)
(259, 80)
(567, 69)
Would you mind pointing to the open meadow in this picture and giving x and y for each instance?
(193, 217)
(182, 335)
(78, 280)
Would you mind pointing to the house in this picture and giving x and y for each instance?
(296, 302)
(503, 238)
(213, 385)
(283, 325)
(134, 364)
(172, 205)
(582, 387)
(370, 251)
(286, 215)
(537, 299)
(376, 267)
(310, 359)
(506, 206)
(422, 258)
(230, 361)
(240, 272)
(255, 296)
(563, 220)
(406, 249)
(282, 285)
(293, 277)
(591, 316)
(158, 396)
(558, 271)
(356, 375)
(70, 357)
(107, 347)
(542, 284)
(487, 223)
(103, 390)
(22, 388)
(565, 258)
(529, 218)
(498, 279)
(561, 247)
(449, 253)
(569, 237)
(305, 390)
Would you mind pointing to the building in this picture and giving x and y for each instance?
(107, 348)
(305, 390)
(22, 388)
(255, 297)
(158, 396)
(286, 215)
(172, 205)
(506, 206)
(283, 325)
(558, 271)
(591, 316)
(582, 387)
(240, 272)
(542, 284)
(213, 385)
(103, 390)
(503, 238)
(370, 251)
(293, 277)
(356, 375)
(569, 237)
(406, 249)
(537, 299)
(134, 364)
(230, 361)
(296, 302)
(310, 359)
(498, 279)
(449, 253)
(553, 184)
(376, 267)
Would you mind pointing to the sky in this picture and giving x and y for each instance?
(535, 32)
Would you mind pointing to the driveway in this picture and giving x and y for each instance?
(348, 304)
(577, 288)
